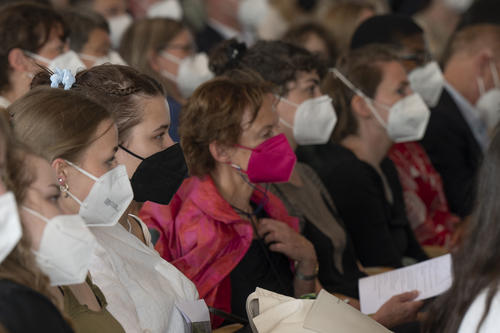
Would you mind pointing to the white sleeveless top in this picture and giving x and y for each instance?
(141, 288)
(475, 312)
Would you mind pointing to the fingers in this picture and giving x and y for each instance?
(416, 305)
(406, 297)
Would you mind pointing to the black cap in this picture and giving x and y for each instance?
(384, 29)
(481, 12)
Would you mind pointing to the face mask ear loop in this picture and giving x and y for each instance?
(171, 57)
(38, 57)
(131, 153)
(372, 108)
(94, 178)
(284, 100)
(494, 73)
(358, 92)
(37, 214)
(480, 84)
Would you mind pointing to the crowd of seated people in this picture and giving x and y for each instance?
(164, 155)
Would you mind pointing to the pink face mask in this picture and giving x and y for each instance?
(270, 162)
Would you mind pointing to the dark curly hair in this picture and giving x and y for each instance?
(277, 62)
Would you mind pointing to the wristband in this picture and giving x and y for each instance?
(303, 277)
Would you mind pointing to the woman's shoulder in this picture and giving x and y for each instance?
(12, 290)
(332, 161)
(475, 313)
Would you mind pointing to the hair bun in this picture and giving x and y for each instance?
(226, 56)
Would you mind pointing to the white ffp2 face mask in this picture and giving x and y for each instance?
(67, 60)
(112, 57)
(166, 8)
(66, 249)
(314, 120)
(488, 104)
(251, 13)
(10, 225)
(408, 117)
(428, 82)
(108, 198)
(193, 71)
(117, 26)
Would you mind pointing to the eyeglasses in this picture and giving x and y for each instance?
(188, 48)
(418, 57)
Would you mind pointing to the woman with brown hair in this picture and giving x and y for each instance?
(23, 287)
(63, 245)
(227, 233)
(307, 117)
(39, 32)
(472, 304)
(142, 289)
(375, 108)
(165, 50)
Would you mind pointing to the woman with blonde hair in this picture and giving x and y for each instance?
(23, 286)
(142, 288)
(165, 50)
(63, 244)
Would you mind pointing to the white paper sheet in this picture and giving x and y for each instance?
(330, 314)
(431, 278)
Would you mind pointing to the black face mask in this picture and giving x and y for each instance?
(159, 176)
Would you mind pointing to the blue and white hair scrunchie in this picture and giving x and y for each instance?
(63, 76)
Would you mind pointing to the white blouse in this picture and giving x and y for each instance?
(475, 312)
(140, 287)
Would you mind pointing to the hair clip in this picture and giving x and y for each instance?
(236, 51)
(63, 76)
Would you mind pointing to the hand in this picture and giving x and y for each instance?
(285, 240)
(398, 310)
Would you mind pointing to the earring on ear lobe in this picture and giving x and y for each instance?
(64, 188)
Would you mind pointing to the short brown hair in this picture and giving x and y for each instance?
(214, 114)
(362, 68)
(116, 88)
(25, 26)
(56, 123)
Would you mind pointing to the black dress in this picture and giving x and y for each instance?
(260, 267)
(24, 310)
(380, 231)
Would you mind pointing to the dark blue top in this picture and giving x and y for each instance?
(175, 112)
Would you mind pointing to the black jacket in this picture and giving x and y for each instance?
(454, 152)
(380, 232)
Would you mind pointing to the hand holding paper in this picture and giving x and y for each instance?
(430, 278)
